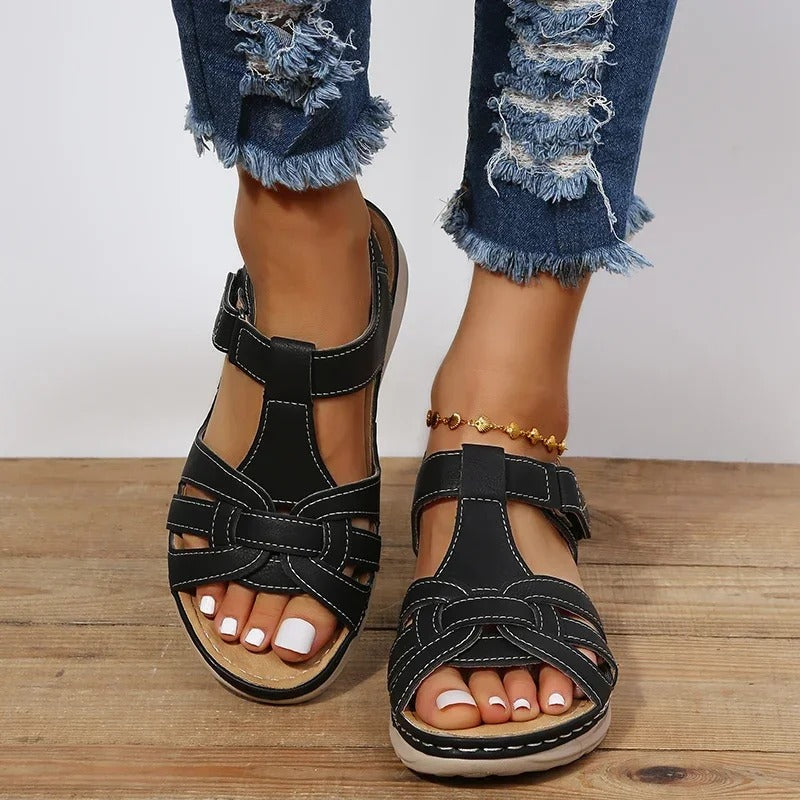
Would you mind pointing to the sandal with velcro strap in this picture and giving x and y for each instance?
(484, 607)
(280, 524)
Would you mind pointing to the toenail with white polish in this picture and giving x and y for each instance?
(522, 703)
(207, 604)
(495, 700)
(295, 634)
(455, 697)
(556, 699)
(255, 637)
(228, 626)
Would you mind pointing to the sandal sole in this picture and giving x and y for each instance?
(481, 768)
(399, 303)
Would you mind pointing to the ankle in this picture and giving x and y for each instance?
(307, 255)
(510, 360)
(266, 220)
(503, 396)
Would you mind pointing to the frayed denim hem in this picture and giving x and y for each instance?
(329, 166)
(523, 267)
(639, 214)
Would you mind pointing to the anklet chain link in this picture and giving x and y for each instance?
(483, 425)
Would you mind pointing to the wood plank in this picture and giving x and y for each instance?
(253, 773)
(145, 686)
(110, 555)
(709, 601)
(694, 565)
(645, 512)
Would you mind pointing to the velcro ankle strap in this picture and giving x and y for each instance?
(334, 371)
(548, 486)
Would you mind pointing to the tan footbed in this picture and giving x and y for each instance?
(266, 668)
(263, 669)
(540, 723)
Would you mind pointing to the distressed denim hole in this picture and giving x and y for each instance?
(551, 105)
(292, 52)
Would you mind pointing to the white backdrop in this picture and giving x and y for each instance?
(116, 239)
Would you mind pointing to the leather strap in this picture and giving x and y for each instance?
(206, 470)
(277, 533)
(500, 630)
(335, 371)
(545, 485)
(273, 552)
(358, 499)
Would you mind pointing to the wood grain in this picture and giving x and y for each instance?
(695, 566)
(267, 771)
(127, 685)
(670, 600)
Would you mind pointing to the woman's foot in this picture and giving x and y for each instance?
(307, 256)
(509, 361)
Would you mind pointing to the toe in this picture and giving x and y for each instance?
(234, 611)
(444, 701)
(555, 691)
(263, 621)
(304, 628)
(521, 692)
(209, 598)
(488, 690)
(210, 595)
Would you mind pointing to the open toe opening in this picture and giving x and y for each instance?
(538, 724)
(260, 669)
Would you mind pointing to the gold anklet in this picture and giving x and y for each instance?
(484, 425)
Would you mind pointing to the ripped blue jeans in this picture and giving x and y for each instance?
(559, 96)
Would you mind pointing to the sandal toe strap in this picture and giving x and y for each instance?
(539, 621)
(274, 552)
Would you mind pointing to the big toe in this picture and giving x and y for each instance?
(305, 627)
(444, 700)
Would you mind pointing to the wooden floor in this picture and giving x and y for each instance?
(695, 567)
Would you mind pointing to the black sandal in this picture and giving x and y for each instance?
(484, 606)
(280, 523)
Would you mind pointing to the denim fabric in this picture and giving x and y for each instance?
(559, 96)
(506, 225)
(281, 87)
